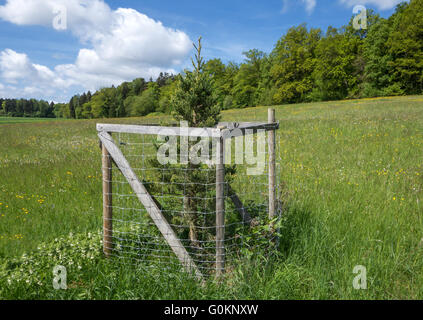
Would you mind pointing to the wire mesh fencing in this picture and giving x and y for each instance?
(186, 199)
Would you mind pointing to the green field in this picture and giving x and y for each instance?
(353, 180)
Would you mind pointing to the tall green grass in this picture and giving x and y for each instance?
(13, 120)
(352, 177)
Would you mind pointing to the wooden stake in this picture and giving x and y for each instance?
(272, 166)
(107, 203)
(220, 210)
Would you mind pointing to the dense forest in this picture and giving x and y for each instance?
(305, 65)
(27, 108)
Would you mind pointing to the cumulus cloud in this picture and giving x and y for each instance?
(22, 78)
(85, 18)
(120, 44)
(380, 4)
(16, 66)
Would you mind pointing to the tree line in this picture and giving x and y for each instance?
(306, 65)
(27, 108)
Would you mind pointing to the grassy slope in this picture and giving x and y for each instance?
(353, 176)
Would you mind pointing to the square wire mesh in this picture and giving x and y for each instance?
(186, 196)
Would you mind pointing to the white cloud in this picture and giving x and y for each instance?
(16, 66)
(24, 78)
(120, 44)
(380, 4)
(309, 5)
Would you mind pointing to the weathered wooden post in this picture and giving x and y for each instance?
(220, 209)
(107, 203)
(272, 165)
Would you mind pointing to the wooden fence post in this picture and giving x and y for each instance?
(107, 203)
(272, 165)
(220, 209)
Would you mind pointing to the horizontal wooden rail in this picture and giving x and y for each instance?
(250, 125)
(165, 131)
(224, 130)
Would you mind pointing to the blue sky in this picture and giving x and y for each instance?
(103, 44)
(230, 27)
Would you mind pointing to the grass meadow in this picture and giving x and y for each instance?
(10, 120)
(353, 180)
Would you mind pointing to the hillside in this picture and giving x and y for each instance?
(353, 183)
